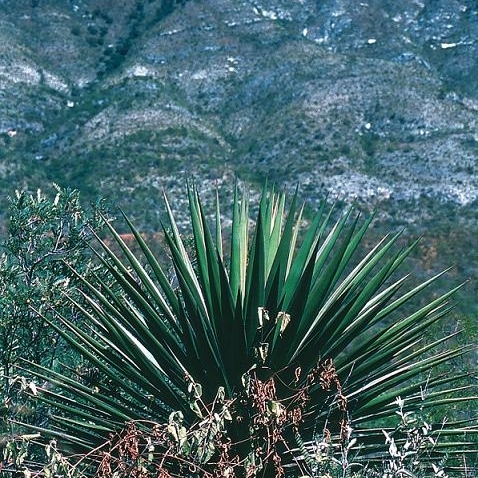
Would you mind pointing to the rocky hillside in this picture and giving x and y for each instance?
(371, 102)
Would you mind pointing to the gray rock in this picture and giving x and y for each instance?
(369, 102)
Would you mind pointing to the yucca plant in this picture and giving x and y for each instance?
(291, 335)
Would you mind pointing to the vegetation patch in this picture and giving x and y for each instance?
(288, 351)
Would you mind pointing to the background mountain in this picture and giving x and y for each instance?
(372, 102)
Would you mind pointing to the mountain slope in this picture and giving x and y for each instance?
(368, 102)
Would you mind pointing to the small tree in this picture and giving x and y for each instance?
(45, 238)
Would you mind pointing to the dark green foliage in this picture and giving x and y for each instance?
(75, 30)
(289, 332)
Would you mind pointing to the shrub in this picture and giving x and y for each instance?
(45, 238)
(238, 362)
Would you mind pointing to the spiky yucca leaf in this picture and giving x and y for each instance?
(291, 300)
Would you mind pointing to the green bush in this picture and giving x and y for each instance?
(45, 238)
(240, 359)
